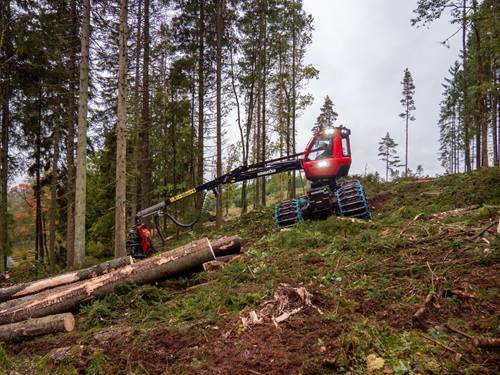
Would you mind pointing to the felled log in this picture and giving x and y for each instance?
(226, 246)
(23, 300)
(456, 212)
(25, 289)
(152, 269)
(486, 342)
(37, 327)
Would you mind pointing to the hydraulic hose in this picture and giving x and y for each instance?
(188, 225)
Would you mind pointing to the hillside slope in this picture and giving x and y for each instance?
(343, 294)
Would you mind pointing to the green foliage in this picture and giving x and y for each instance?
(96, 364)
(98, 314)
(301, 237)
(5, 362)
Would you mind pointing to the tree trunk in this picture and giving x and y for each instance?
(53, 199)
(256, 141)
(201, 97)
(406, 139)
(481, 123)
(263, 121)
(467, 160)
(294, 98)
(121, 138)
(244, 187)
(219, 43)
(280, 119)
(81, 160)
(4, 175)
(37, 327)
(29, 288)
(39, 243)
(6, 53)
(164, 265)
(494, 124)
(70, 146)
(135, 186)
(145, 163)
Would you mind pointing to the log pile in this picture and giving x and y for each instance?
(44, 306)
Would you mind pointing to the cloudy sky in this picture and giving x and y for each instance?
(361, 48)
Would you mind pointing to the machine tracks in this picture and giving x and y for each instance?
(347, 200)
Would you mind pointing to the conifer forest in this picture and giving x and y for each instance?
(177, 194)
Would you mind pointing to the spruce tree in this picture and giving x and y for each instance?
(327, 116)
(388, 154)
(408, 104)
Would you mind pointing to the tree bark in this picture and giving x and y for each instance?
(494, 125)
(121, 137)
(294, 94)
(201, 97)
(263, 121)
(481, 123)
(53, 199)
(164, 265)
(465, 89)
(135, 186)
(145, 163)
(6, 52)
(219, 43)
(70, 147)
(25, 289)
(81, 162)
(39, 243)
(37, 327)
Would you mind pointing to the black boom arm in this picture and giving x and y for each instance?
(242, 173)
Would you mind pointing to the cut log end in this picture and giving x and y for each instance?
(69, 322)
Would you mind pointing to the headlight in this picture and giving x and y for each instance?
(329, 131)
(323, 163)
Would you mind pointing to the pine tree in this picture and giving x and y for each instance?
(408, 104)
(388, 154)
(327, 116)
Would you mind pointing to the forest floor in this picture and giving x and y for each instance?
(345, 293)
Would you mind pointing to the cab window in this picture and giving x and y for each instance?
(346, 151)
(321, 149)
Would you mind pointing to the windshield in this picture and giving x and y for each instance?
(321, 149)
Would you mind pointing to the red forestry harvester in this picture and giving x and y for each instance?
(326, 158)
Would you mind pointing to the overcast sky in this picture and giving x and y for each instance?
(361, 48)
